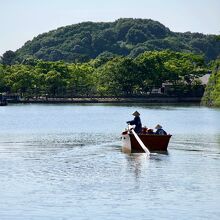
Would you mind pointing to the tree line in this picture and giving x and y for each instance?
(104, 76)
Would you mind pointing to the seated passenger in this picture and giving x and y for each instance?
(159, 130)
(144, 130)
(150, 131)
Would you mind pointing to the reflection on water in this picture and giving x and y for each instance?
(54, 170)
(137, 163)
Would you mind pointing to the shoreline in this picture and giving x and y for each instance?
(113, 100)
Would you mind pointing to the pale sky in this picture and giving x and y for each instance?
(21, 20)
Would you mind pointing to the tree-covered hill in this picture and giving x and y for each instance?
(84, 41)
(212, 92)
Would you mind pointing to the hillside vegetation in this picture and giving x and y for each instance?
(212, 92)
(128, 37)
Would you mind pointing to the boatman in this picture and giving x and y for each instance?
(136, 121)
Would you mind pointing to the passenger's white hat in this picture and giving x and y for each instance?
(158, 126)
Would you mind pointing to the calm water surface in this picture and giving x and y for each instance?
(65, 162)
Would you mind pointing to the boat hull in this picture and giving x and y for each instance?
(154, 143)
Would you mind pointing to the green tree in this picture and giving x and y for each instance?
(135, 36)
(8, 58)
(118, 77)
(2, 79)
(55, 83)
(21, 79)
(81, 80)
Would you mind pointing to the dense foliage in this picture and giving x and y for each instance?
(84, 41)
(115, 76)
(212, 92)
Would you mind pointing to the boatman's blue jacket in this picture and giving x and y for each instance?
(137, 123)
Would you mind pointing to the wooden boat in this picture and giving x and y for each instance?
(154, 142)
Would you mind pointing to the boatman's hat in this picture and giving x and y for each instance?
(136, 113)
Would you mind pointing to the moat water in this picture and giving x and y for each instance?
(65, 162)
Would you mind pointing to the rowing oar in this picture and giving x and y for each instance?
(139, 140)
